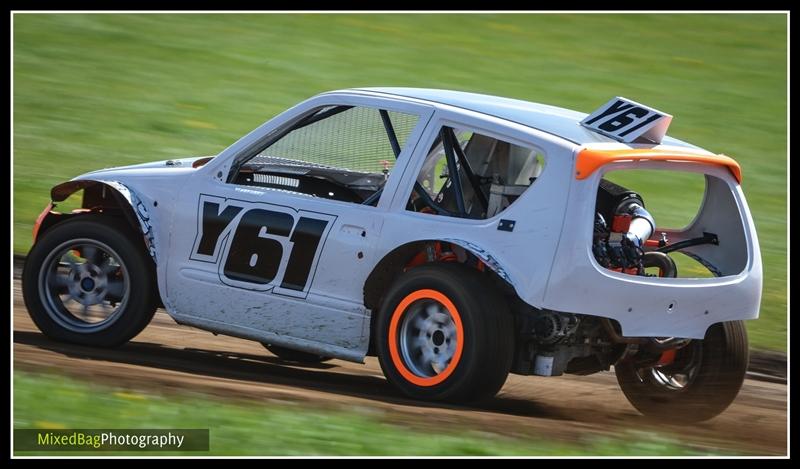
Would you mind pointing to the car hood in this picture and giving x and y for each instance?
(153, 168)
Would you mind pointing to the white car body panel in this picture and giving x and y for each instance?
(547, 258)
(642, 304)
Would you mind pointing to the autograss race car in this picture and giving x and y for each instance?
(457, 237)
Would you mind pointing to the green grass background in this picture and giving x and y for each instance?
(93, 91)
(238, 427)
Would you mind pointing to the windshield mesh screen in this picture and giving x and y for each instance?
(354, 139)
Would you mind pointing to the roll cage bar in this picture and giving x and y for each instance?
(454, 155)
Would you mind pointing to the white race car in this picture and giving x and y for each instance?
(458, 237)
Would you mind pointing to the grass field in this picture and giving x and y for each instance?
(285, 428)
(94, 91)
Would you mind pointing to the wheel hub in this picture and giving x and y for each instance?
(438, 337)
(427, 338)
(87, 284)
(84, 285)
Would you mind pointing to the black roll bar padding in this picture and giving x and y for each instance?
(316, 117)
(473, 180)
(387, 124)
(453, 170)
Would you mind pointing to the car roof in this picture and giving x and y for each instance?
(564, 123)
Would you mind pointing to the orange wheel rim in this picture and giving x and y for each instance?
(433, 337)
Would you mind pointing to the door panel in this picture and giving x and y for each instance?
(278, 263)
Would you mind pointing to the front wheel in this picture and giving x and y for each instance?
(443, 332)
(694, 383)
(88, 280)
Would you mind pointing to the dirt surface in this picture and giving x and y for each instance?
(167, 357)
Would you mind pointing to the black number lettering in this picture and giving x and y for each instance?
(214, 223)
(643, 123)
(254, 252)
(252, 258)
(620, 121)
(615, 108)
(306, 238)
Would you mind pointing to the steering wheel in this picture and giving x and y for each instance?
(422, 196)
(424, 201)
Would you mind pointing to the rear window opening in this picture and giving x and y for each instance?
(662, 223)
(470, 175)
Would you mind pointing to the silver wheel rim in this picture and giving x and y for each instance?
(677, 376)
(84, 285)
(428, 338)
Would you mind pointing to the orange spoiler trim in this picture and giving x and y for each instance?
(589, 160)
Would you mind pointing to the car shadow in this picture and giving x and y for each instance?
(265, 369)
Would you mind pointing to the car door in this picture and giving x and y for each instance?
(279, 250)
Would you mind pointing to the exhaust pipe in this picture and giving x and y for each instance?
(665, 264)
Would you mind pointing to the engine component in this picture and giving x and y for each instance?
(550, 327)
(555, 361)
(620, 246)
(549, 342)
(612, 198)
(543, 365)
(642, 223)
(665, 264)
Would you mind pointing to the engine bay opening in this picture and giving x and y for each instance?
(635, 213)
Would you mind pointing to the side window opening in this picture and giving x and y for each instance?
(342, 153)
(661, 223)
(470, 175)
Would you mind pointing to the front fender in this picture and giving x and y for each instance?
(100, 194)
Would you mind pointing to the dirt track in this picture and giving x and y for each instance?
(167, 357)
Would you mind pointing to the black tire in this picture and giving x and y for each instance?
(488, 334)
(723, 358)
(295, 355)
(133, 312)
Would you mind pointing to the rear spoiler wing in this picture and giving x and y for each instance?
(589, 160)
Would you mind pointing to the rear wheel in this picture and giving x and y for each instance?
(295, 355)
(89, 281)
(444, 333)
(694, 383)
